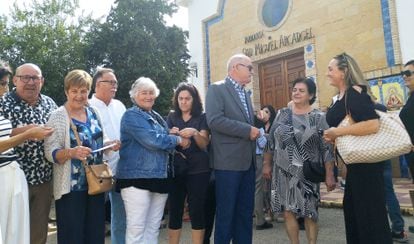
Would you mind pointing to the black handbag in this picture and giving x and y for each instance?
(313, 171)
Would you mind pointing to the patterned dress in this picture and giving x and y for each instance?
(290, 191)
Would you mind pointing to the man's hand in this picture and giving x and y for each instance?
(254, 133)
(115, 147)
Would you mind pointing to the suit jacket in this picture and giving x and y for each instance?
(230, 128)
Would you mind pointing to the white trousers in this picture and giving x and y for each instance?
(144, 210)
(14, 205)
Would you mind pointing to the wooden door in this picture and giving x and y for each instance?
(275, 79)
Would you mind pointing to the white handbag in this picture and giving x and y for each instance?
(392, 140)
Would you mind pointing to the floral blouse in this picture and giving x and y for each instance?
(91, 135)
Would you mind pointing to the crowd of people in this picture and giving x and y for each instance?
(227, 164)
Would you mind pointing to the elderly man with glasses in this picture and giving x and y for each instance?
(233, 143)
(26, 108)
(111, 111)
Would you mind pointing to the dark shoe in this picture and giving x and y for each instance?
(107, 229)
(163, 224)
(411, 229)
(264, 226)
(400, 237)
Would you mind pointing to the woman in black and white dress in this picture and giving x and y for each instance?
(294, 138)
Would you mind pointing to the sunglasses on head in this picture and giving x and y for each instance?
(407, 73)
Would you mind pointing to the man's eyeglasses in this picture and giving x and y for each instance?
(27, 78)
(250, 67)
(112, 82)
(407, 73)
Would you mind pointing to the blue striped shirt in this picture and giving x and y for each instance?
(242, 95)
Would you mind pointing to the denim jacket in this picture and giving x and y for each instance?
(145, 144)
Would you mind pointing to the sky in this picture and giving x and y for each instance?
(102, 7)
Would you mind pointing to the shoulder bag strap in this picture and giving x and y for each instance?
(346, 101)
(335, 149)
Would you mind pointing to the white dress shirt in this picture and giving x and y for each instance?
(111, 115)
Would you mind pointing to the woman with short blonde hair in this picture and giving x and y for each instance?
(80, 217)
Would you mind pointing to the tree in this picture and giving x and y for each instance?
(46, 33)
(135, 41)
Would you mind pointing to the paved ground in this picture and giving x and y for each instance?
(331, 230)
(331, 223)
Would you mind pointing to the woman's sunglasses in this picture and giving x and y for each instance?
(407, 73)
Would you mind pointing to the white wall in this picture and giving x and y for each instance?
(405, 10)
(198, 10)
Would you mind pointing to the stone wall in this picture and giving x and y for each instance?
(355, 27)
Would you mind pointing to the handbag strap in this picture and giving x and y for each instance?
(346, 102)
(335, 149)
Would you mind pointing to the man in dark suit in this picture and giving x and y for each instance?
(230, 118)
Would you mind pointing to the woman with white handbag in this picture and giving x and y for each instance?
(364, 199)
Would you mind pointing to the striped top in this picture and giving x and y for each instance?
(5, 129)
(242, 95)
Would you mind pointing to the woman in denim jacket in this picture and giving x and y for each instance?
(142, 174)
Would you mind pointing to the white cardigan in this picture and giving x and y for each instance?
(60, 139)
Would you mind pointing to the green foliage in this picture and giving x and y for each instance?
(135, 42)
(46, 33)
